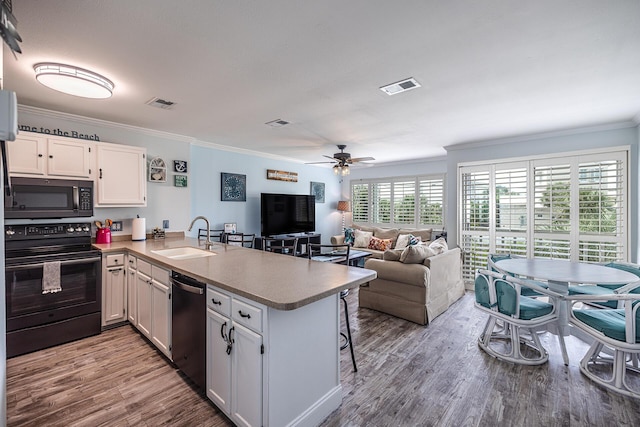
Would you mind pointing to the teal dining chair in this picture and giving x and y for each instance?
(513, 317)
(614, 331)
(491, 265)
(602, 289)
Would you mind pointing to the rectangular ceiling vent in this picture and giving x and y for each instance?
(401, 86)
(278, 123)
(160, 103)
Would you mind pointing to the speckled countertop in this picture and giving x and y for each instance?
(278, 281)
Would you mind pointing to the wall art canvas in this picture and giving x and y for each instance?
(317, 190)
(234, 187)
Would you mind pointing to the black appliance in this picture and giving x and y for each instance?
(189, 327)
(37, 320)
(287, 213)
(48, 198)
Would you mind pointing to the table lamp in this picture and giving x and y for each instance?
(344, 206)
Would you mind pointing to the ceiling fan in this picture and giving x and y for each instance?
(342, 161)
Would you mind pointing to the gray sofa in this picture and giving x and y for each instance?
(415, 292)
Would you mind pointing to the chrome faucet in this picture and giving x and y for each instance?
(208, 244)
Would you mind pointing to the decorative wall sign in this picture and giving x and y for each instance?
(234, 187)
(180, 180)
(157, 170)
(317, 189)
(180, 166)
(230, 228)
(282, 175)
(59, 132)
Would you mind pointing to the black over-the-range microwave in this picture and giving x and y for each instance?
(48, 198)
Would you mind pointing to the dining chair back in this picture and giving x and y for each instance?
(606, 289)
(285, 246)
(239, 239)
(491, 265)
(501, 296)
(613, 330)
(215, 235)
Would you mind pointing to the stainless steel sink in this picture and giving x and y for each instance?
(186, 252)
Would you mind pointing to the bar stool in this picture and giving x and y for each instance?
(337, 254)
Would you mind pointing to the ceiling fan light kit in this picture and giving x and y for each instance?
(73, 80)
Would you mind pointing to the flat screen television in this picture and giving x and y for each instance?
(287, 213)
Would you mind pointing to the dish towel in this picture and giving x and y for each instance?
(51, 277)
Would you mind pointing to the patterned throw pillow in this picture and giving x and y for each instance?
(379, 244)
(349, 236)
(413, 240)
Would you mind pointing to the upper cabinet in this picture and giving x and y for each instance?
(35, 155)
(120, 179)
(118, 171)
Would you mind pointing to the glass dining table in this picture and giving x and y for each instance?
(559, 274)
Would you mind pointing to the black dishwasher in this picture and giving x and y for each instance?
(189, 327)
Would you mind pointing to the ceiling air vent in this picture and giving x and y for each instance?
(160, 103)
(401, 86)
(278, 123)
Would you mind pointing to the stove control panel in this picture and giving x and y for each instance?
(39, 231)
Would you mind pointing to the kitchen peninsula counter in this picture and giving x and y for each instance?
(277, 281)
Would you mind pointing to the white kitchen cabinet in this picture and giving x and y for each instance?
(34, 155)
(120, 175)
(161, 310)
(153, 302)
(234, 357)
(132, 304)
(144, 299)
(114, 291)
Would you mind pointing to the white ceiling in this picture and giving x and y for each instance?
(489, 69)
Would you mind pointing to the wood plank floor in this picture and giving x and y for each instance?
(408, 375)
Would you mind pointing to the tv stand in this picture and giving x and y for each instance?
(303, 241)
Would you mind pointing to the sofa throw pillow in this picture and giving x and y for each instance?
(439, 245)
(416, 254)
(379, 244)
(361, 238)
(405, 240)
(392, 255)
(349, 236)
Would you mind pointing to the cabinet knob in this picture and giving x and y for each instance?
(50, 156)
(39, 155)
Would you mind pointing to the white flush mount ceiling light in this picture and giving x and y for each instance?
(73, 80)
(401, 86)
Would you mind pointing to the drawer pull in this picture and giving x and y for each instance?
(247, 316)
(213, 300)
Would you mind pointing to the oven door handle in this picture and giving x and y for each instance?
(65, 262)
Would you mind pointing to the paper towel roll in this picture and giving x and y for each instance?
(138, 229)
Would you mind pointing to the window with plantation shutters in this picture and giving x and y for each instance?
(382, 203)
(402, 202)
(566, 207)
(430, 202)
(360, 202)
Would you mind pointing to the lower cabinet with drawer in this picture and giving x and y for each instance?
(235, 356)
(114, 289)
(269, 367)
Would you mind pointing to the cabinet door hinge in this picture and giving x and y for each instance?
(169, 295)
(123, 311)
(261, 348)
(170, 348)
(89, 171)
(89, 149)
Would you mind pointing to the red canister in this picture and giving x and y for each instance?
(103, 235)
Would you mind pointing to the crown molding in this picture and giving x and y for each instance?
(636, 119)
(543, 135)
(91, 121)
(407, 162)
(244, 151)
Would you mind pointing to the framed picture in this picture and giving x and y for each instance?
(180, 166)
(230, 228)
(317, 190)
(180, 180)
(234, 187)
